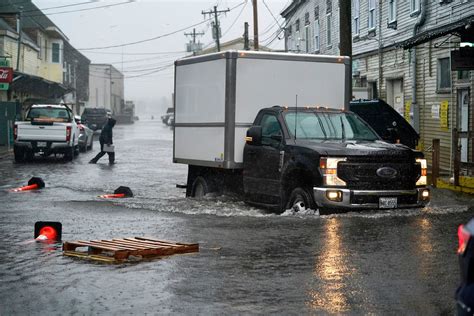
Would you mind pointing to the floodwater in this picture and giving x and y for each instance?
(250, 261)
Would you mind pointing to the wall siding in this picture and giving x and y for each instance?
(396, 61)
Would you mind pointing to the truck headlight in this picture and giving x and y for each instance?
(328, 166)
(424, 172)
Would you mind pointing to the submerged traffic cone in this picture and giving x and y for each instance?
(33, 184)
(48, 231)
(120, 192)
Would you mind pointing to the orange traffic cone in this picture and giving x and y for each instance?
(33, 184)
(120, 192)
(48, 231)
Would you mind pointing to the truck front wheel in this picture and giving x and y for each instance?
(200, 187)
(299, 200)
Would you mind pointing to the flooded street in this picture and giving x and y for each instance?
(250, 261)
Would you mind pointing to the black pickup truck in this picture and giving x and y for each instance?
(319, 158)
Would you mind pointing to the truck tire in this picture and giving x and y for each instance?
(69, 154)
(200, 188)
(83, 149)
(19, 154)
(299, 200)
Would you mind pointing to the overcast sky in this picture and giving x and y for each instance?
(145, 19)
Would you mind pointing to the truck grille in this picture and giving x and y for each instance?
(376, 175)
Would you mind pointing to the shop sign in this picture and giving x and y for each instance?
(6, 74)
(443, 122)
(4, 86)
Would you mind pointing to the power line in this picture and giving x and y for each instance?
(143, 41)
(61, 6)
(271, 13)
(80, 10)
(238, 16)
(131, 54)
(155, 37)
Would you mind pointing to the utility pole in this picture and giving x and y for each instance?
(216, 32)
(345, 34)
(194, 48)
(255, 25)
(18, 30)
(246, 36)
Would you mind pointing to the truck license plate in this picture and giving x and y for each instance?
(41, 144)
(387, 202)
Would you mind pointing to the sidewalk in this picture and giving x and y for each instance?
(5, 153)
(466, 184)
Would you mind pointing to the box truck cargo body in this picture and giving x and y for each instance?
(218, 96)
(274, 128)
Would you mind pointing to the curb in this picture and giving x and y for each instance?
(442, 184)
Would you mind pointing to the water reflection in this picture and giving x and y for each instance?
(332, 267)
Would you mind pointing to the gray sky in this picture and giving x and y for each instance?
(146, 19)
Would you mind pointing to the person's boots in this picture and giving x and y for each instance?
(94, 160)
(111, 158)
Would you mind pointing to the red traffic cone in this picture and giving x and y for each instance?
(48, 231)
(120, 192)
(33, 184)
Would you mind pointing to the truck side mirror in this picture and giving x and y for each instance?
(254, 135)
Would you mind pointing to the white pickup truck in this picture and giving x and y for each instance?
(47, 129)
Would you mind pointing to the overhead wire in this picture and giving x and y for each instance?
(155, 37)
(81, 10)
(61, 6)
(235, 21)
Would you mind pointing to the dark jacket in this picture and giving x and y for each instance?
(106, 134)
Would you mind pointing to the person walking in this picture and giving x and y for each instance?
(105, 138)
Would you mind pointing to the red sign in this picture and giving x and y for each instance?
(6, 74)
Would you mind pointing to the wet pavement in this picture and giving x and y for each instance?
(250, 262)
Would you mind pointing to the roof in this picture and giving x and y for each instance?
(32, 16)
(58, 106)
(423, 37)
(290, 9)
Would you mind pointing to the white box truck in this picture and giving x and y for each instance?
(276, 163)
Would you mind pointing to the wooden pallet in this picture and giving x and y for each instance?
(125, 249)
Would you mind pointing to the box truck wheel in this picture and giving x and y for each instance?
(299, 200)
(200, 187)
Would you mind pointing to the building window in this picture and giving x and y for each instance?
(307, 38)
(444, 74)
(392, 11)
(463, 74)
(316, 12)
(55, 53)
(297, 38)
(328, 29)
(306, 18)
(356, 17)
(414, 6)
(316, 35)
(328, 6)
(371, 23)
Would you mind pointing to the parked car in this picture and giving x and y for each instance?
(465, 292)
(386, 121)
(47, 129)
(166, 117)
(86, 135)
(95, 118)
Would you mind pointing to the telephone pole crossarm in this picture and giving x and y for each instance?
(216, 24)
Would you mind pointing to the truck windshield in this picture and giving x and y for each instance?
(327, 125)
(48, 114)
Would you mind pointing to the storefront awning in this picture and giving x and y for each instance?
(453, 28)
(37, 86)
